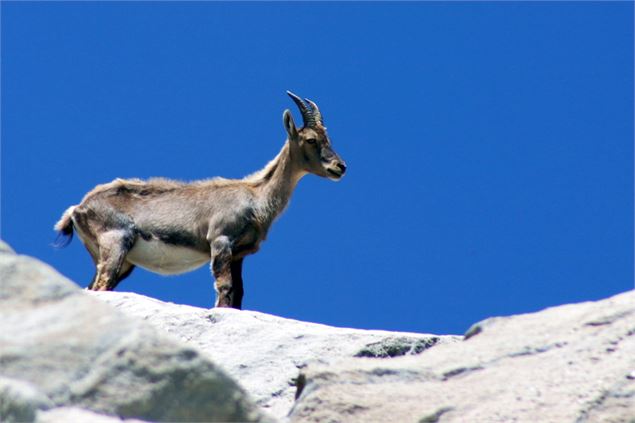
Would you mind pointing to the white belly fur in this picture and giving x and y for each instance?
(166, 259)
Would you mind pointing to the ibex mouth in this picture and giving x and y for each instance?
(336, 170)
(334, 174)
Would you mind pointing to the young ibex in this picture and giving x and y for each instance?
(172, 227)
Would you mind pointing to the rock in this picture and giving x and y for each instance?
(397, 346)
(78, 415)
(20, 401)
(573, 363)
(4, 248)
(78, 351)
(68, 355)
(265, 352)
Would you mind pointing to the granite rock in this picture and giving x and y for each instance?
(264, 352)
(70, 349)
(572, 363)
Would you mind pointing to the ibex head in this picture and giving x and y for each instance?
(312, 142)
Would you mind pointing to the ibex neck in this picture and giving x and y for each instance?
(275, 183)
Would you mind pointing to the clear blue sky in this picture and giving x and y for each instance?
(489, 145)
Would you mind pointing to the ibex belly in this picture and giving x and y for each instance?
(167, 259)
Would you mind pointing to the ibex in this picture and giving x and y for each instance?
(172, 227)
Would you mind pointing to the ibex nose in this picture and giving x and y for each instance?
(342, 167)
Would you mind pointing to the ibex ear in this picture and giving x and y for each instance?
(289, 125)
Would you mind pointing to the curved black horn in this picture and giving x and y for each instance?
(316, 111)
(308, 115)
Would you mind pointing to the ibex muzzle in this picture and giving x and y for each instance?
(171, 227)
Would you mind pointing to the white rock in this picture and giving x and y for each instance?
(77, 351)
(262, 351)
(61, 348)
(564, 364)
(5, 248)
(78, 415)
(20, 401)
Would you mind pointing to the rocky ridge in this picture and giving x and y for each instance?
(63, 353)
(573, 363)
(264, 352)
(68, 355)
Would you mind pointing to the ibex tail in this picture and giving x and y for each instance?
(64, 227)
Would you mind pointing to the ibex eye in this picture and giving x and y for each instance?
(311, 140)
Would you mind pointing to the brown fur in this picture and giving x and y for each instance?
(170, 227)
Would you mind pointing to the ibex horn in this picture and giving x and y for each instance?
(308, 116)
(316, 111)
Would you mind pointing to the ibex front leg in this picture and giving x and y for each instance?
(237, 282)
(222, 270)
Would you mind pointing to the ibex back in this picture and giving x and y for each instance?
(172, 227)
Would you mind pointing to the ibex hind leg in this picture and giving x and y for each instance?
(124, 272)
(92, 281)
(95, 257)
(114, 245)
(87, 234)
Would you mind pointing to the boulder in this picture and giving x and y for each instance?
(265, 352)
(59, 347)
(78, 415)
(68, 355)
(573, 363)
(20, 401)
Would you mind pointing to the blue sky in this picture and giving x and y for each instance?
(489, 145)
